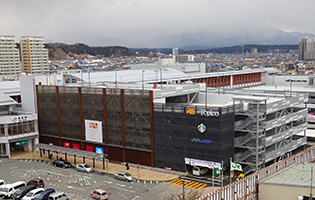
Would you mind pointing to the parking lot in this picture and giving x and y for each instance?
(77, 185)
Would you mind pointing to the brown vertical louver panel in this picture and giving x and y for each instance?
(58, 113)
(105, 118)
(123, 123)
(37, 105)
(81, 118)
(152, 128)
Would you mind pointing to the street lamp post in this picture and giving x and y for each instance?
(142, 80)
(116, 78)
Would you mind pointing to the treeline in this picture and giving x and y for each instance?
(59, 51)
(233, 49)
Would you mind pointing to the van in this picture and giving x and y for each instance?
(8, 190)
(198, 171)
(58, 196)
(21, 192)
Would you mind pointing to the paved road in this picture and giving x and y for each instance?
(77, 185)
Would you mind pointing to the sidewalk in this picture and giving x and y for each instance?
(141, 173)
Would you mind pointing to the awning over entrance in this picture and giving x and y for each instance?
(69, 151)
(74, 152)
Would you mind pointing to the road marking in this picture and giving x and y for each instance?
(109, 182)
(135, 198)
(122, 195)
(121, 185)
(189, 184)
(13, 167)
(71, 187)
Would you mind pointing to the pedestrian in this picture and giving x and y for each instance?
(50, 156)
(127, 166)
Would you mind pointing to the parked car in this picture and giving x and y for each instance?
(31, 194)
(21, 192)
(99, 194)
(44, 194)
(37, 182)
(62, 163)
(2, 182)
(84, 168)
(198, 171)
(58, 196)
(8, 190)
(124, 176)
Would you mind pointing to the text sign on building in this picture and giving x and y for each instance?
(201, 163)
(203, 112)
(93, 130)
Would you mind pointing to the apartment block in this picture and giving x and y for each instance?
(9, 56)
(34, 56)
(307, 48)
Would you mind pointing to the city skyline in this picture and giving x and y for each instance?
(118, 21)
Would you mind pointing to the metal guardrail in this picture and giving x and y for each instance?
(247, 188)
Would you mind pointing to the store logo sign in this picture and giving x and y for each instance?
(203, 141)
(208, 113)
(201, 128)
(191, 111)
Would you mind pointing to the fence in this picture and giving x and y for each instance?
(247, 187)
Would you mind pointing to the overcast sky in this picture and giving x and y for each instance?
(88, 21)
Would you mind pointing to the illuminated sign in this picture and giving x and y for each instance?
(204, 141)
(191, 111)
(201, 128)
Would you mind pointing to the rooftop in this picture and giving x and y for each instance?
(298, 174)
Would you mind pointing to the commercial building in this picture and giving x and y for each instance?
(34, 56)
(171, 126)
(307, 48)
(9, 57)
(18, 130)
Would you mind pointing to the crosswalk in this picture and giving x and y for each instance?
(188, 183)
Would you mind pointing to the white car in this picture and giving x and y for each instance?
(31, 194)
(84, 168)
(124, 176)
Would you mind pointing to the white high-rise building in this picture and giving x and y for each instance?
(9, 56)
(34, 56)
(307, 48)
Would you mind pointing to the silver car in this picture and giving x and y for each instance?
(84, 168)
(124, 176)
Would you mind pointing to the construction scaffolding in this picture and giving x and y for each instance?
(266, 128)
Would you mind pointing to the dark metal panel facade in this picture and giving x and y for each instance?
(179, 133)
(47, 109)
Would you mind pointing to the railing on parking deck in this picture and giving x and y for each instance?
(247, 187)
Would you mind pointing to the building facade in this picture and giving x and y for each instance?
(307, 48)
(34, 56)
(9, 57)
(18, 130)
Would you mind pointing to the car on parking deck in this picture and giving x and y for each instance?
(62, 163)
(99, 194)
(31, 194)
(44, 194)
(124, 176)
(84, 168)
(21, 192)
(37, 182)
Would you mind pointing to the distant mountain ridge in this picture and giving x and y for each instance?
(207, 39)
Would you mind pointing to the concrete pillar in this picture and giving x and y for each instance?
(6, 131)
(7, 148)
(34, 143)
